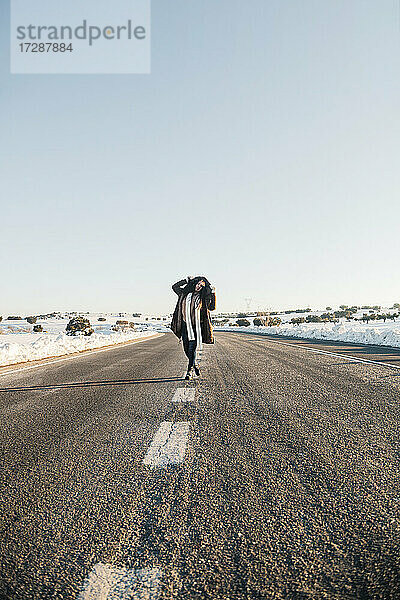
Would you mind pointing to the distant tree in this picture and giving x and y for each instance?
(377, 307)
(31, 320)
(11, 318)
(396, 305)
(242, 315)
(1, 318)
(328, 308)
(243, 322)
(343, 306)
(101, 319)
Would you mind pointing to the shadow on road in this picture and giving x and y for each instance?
(84, 384)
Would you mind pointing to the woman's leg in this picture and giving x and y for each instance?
(192, 353)
(185, 339)
(189, 347)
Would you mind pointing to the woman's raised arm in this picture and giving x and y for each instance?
(177, 287)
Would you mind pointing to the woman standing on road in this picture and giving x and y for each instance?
(191, 320)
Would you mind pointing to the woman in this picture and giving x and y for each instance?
(191, 320)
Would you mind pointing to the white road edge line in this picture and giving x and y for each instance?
(84, 353)
(106, 582)
(349, 358)
(168, 446)
(184, 395)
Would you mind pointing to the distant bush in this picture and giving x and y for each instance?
(297, 310)
(123, 326)
(313, 319)
(242, 315)
(340, 314)
(31, 320)
(219, 322)
(243, 322)
(297, 320)
(327, 317)
(101, 319)
(37, 328)
(79, 326)
(274, 322)
(14, 318)
(258, 322)
(1, 318)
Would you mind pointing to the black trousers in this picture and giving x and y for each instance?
(189, 346)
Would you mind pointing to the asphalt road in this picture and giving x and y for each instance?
(288, 489)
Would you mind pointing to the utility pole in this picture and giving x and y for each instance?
(248, 302)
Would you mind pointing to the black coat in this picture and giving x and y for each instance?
(207, 303)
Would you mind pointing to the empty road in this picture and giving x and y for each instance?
(274, 476)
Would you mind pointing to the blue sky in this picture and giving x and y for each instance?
(262, 151)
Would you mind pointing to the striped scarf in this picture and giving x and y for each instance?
(197, 305)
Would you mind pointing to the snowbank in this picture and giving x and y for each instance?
(36, 346)
(389, 335)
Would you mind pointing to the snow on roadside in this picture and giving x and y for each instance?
(35, 347)
(342, 332)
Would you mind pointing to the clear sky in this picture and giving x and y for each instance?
(262, 151)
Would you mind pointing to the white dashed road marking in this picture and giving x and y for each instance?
(169, 445)
(184, 395)
(106, 582)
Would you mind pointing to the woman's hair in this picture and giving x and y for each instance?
(205, 291)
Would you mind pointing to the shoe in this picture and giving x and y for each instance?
(188, 375)
(196, 370)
